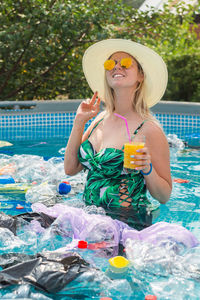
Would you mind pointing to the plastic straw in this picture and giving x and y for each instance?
(129, 136)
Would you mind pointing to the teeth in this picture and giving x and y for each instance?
(118, 75)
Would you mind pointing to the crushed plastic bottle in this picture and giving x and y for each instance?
(175, 142)
(44, 193)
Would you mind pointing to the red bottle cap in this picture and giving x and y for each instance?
(150, 297)
(180, 180)
(82, 244)
(19, 206)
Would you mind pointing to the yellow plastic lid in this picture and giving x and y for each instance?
(118, 263)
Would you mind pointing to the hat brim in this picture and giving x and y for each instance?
(155, 70)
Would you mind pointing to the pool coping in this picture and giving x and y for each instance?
(45, 106)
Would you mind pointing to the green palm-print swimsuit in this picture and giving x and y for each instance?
(121, 193)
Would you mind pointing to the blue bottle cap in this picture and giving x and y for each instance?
(64, 188)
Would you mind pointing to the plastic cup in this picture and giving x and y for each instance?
(130, 148)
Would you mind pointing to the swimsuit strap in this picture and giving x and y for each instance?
(135, 132)
(139, 127)
(95, 127)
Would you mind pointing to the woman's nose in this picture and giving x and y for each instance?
(117, 65)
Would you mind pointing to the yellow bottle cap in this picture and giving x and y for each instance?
(118, 263)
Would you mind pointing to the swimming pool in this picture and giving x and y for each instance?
(170, 271)
(160, 271)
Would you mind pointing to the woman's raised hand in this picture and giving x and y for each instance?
(88, 109)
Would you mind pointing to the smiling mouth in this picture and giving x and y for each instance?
(117, 76)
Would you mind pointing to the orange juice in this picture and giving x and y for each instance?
(130, 149)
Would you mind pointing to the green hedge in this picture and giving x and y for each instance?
(184, 78)
(42, 43)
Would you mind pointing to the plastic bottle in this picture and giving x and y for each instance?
(91, 255)
(118, 267)
(64, 188)
(84, 251)
(82, 245)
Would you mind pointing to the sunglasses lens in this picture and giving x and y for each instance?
(109, 64)
(126, 62)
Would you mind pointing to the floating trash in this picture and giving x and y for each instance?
(5, 144)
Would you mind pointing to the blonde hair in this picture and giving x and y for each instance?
(138, 102)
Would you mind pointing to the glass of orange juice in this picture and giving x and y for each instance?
(130, 148)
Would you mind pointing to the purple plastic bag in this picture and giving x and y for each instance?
(89, 227)
(160, 232)
(97, 228)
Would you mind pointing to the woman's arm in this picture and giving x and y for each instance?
(86, 111)
(158, 182)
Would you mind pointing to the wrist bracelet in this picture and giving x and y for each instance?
(147, 172)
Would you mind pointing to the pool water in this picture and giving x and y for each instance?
(171, 276)
(184, 205)
(45, 148)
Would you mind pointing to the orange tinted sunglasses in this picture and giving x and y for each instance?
(124, 62)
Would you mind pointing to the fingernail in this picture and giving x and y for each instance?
(138, 150)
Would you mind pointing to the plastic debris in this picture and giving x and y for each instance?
(118, 264)
(49, 272)
(6, 179)
(180, 180)
(175, 142)
(64, 188)
(5, 144)
(193, 140)
(150, 297)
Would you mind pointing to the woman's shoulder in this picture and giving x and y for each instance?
(98, 118)
(94, 123)
(153, 130)
(156, 139)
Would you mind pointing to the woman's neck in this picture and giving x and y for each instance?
(124, 101)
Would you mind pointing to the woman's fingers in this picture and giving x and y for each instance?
(97, 104)
(143, 150)
(93, 99)
(90, 103)
(142, 160)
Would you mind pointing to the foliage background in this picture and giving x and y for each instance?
(42, 43)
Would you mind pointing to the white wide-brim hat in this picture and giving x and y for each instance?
(154, 68)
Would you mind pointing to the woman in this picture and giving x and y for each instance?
(130, 78)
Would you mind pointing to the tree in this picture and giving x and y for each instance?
(42, 43)
(173, 36)
(134, 3)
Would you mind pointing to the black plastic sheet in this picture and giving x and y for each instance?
(13, 222)
(49, 272)
(8, 222)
